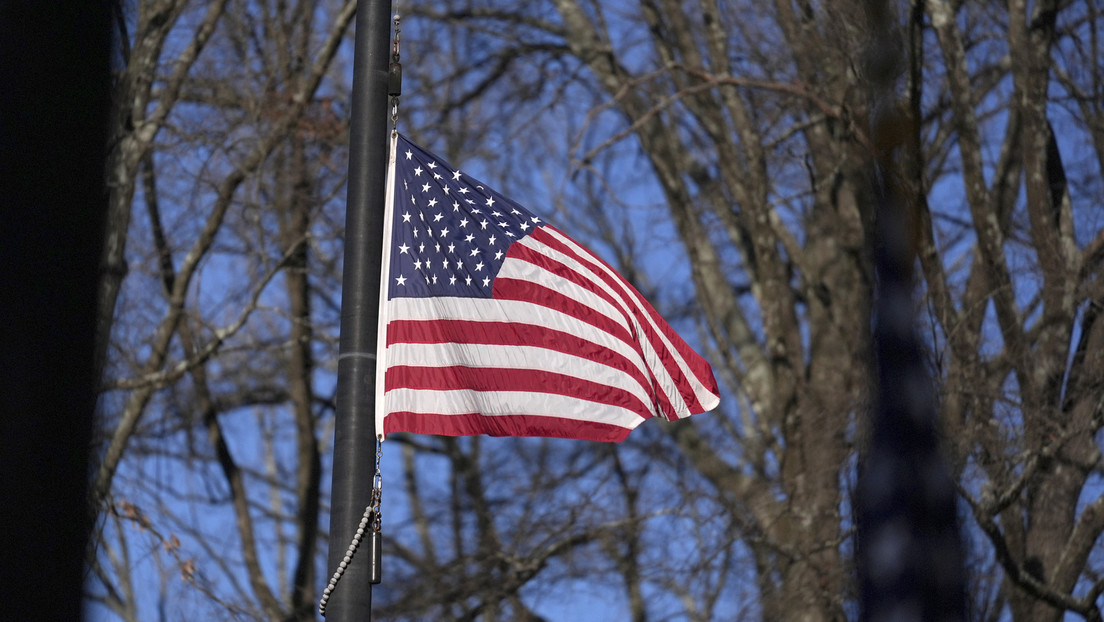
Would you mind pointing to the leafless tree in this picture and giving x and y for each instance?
(719, 154)
(752, 125)
(213, 431)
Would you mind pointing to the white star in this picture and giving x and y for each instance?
(406, 217)
(479, 266)
(417, 264)
(495, 213)
(486, 281)
(432, 165)
(401, 280)
(463, 221)
(535, 219)
(452, 248)
(492, 240)
(467, 281)
(474, 252)
(483, 224)
(456, 174)
(434, 279)
(490, 201)
(444, 232)
(438, 217)
(425, 188)
(524, 226)
(452, 280)
(403, 248)
(445, 189)
(469, 238)
(418, 171)
(432, 202)
(463, 191)
(408, 154)
(421, 248)
(498, 255)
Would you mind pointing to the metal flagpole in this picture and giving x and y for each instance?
(354, 430)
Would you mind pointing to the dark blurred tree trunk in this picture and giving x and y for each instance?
(55, 68)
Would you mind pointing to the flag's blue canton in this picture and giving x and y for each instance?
(450, 233)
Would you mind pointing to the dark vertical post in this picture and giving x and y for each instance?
(54, 99)
(354, 431)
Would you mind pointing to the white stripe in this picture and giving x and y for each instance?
(525, 271)
(509, 358)
(654, 362)
(494, 403)
(512, 311)
(704, 396)
(487, 309)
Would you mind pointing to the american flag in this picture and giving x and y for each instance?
(497, 323)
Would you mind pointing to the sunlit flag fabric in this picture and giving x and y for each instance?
(494, 322)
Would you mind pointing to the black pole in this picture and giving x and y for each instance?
(354, 430)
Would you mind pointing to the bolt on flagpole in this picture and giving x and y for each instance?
(354, 428)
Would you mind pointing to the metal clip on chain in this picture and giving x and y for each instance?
(370, 522)
(375, 541)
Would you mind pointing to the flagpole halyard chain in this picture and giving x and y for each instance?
(370, 523)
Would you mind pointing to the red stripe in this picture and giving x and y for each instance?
(698, 366)
(635, 304)
(528, 255)
(509, 334)
(535, 257)
(502, 425)
(527, 291)
(448, 378)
